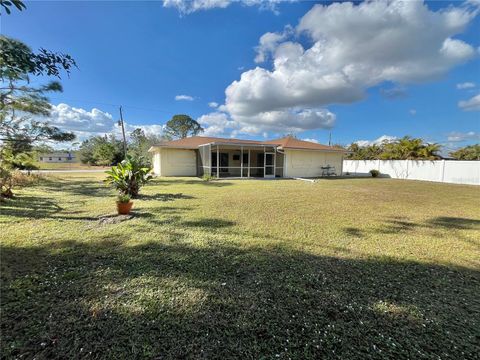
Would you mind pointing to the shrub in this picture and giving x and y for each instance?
(207, 177)
(129, 176)
(10, 179)
(374, 173)
(6, 183)
(123, 198)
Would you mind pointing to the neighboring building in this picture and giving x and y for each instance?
(57, 158)
(221, 157)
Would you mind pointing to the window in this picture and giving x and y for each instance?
(60, 159)
(41, 158)
(50, 158)
(236, 157)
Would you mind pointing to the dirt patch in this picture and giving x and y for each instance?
(113, 219)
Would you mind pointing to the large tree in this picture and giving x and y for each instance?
(470, 152)
(181, 126)
(21, 103)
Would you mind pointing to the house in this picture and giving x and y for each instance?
(287, 157)
(57, 158)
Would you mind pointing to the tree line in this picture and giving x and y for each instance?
(108, 150)
(408, 148)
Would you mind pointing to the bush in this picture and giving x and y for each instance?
(207, 177)
(10, 179)
(124, 199)
(374, 173)
(129, 176)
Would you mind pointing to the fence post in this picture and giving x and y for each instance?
(443, 170)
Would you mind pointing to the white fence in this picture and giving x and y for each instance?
(458, 172)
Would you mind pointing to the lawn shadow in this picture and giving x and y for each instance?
(454, 223)
(164, 197)
(396, 225)
(194, 181)
(169, 301)
(29, 207)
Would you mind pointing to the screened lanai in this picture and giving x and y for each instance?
(223, 160)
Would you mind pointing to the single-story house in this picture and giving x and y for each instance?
(57, 158)
(287, 157)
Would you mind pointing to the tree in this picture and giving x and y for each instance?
(470, 152)
(181, 126)
(101, 150)
(7, 4)
(406, 148)
(140, 143)
(20, 102)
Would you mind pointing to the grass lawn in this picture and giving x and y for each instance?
(347, 268)
(68, 166)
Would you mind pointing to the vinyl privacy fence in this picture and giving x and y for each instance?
(448, 171)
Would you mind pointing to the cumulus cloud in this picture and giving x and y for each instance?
(213, 104)
(380, 140)
(269, 42)
(86, 123)
(412, 112)
(463, 136)
(472, 104)
(311, 140)
(352, 48)
(217, 124)
(80, 121)
(465, 85)
(184, 97)
(190, 6)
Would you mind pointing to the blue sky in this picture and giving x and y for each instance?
(143, 54)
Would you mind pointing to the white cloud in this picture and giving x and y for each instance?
(353, 48)
(190, 6)
(380, 140)
(86, 123)
(466, 85)
(269, 42)
(213, 104)
(413, 112)
(472, 104)
(311, 140)
(80, 121)
(184, 97)
(217, 124)
(396, 92)
(461, 136)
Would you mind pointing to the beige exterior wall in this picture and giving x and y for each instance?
(305, 163)
(174, 162)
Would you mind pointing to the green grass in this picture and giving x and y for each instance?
(67, 166)
(346, 268)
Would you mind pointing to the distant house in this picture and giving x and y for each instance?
(222, 157)
(57, 158)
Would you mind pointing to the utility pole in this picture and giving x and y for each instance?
(123, 132)
(330, 139)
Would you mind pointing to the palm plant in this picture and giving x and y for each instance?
(129, 176)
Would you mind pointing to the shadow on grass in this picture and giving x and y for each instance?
(398, 225)
(164, 197)
(104, 299)
(193, 181)
(29, 207)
